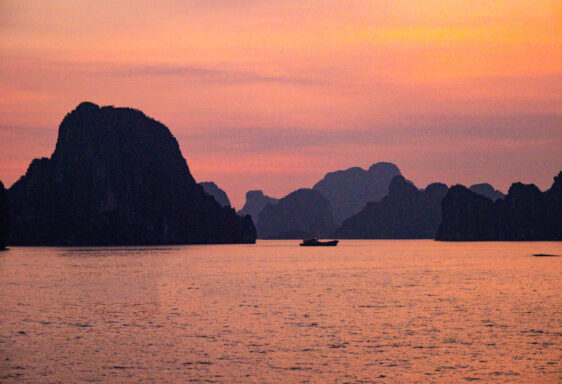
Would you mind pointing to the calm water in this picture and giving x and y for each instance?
(363, 312)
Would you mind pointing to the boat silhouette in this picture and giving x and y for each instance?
(314, 242)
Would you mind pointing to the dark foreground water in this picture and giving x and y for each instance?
(363, 312)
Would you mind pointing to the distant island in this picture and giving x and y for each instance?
(350, 190)
(487, 190)
(381, 212)
(405, 213)
(117, 177)
(347, 192)
(255, 203)
(218, 194)
(302, 214)
(525, 214)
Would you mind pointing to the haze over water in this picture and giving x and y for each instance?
(362, 312)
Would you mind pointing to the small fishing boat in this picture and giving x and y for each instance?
(314, 242)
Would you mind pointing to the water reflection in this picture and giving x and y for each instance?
(365, 311)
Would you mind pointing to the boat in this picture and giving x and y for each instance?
(314, 242)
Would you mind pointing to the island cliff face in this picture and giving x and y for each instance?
(526, 214)
(255, 202)
(117, 177)
(301, 214)
(406, 213)
(212, 189)
(350, 190)
(4, 217)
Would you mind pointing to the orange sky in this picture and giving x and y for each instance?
(273, 94)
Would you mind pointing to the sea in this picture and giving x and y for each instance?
(366, 311)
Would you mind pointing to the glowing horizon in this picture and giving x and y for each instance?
(272, 95)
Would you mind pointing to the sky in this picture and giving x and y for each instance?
(272, 95)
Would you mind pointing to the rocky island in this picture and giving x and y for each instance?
(487, 190)
(525, 214)
(255, 203)
(301, 214)
(212, 189)
(350, 190)
(117, 177)
(405, 213)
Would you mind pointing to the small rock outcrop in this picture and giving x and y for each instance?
(219, 195)
(350, 190)
(117, 177)
(301, 214)
(4, 217)
(526, 214)
(406, 213)
(487, 190)
(255, 202)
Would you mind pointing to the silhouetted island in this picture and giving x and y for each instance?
(525, 214)
(301, 214)
(117, 177)
(406, 213)
(4, 217)
(212, 189)
(487, 190)
(255, 202)
(350, 190)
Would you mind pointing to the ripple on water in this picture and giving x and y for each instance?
(388, 312)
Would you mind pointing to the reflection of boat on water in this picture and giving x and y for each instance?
(314, 242)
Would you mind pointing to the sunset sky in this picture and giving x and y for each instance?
(272, 95)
